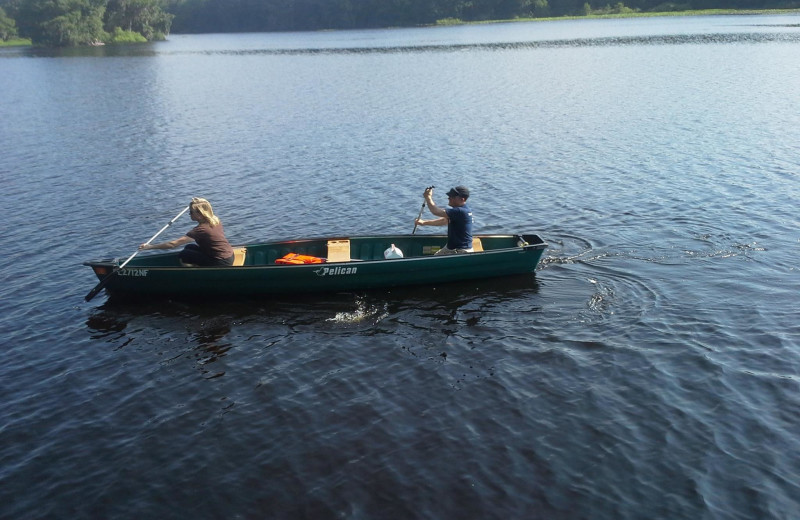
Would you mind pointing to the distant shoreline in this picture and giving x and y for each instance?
(25, 42)
(701, 12)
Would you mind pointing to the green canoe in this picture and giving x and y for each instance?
(348, 263)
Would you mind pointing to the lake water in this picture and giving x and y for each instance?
(649, 369)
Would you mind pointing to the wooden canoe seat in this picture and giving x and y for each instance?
(338, 250)
(239, 254)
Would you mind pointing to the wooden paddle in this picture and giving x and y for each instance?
(104, 281)
(421, 209)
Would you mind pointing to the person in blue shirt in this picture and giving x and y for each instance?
(457, 218)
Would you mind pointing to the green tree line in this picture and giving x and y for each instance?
(79, 22)
(66, 23)
(199, 16)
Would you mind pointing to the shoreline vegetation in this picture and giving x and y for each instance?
(599, 15)
(76, 23)
(16, 42)
(119, 36)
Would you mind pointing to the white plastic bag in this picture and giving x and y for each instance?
(393, 252)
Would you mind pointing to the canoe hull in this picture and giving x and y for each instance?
(154, 276)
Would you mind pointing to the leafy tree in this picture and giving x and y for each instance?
(62, 23)
(8, 27)
(540, 8)
(198, 16)
(145, 17)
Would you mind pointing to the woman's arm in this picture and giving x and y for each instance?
(168, 245)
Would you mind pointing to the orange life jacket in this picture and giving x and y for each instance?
(297, 259)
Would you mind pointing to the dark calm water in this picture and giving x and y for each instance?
(650, 368)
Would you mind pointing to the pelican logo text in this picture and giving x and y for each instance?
(133, 272)
(335, 271)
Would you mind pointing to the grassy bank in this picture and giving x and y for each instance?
(18, 42)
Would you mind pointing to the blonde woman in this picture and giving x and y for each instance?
(211, 247)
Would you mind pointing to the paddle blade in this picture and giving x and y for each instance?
(98, 287)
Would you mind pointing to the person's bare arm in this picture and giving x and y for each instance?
(172, 244)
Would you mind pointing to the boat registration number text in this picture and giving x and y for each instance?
(133, 272)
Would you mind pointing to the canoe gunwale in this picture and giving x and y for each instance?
(114, 262)
(540, 244)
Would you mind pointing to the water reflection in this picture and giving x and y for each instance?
(313, 306)
(105, 51)
(212, 322)
(212, 332)
(230, 337)
(211, 345)
(614, 41)
(103, 324)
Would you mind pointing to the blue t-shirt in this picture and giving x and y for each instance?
(459, 230)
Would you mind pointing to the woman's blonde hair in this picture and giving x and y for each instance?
(202, 208)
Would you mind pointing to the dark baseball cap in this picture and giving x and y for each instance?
(459, 191)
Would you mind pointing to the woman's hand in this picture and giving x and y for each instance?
(144, 247)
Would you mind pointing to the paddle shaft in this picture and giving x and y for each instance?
(105, 280)
(421, 210)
